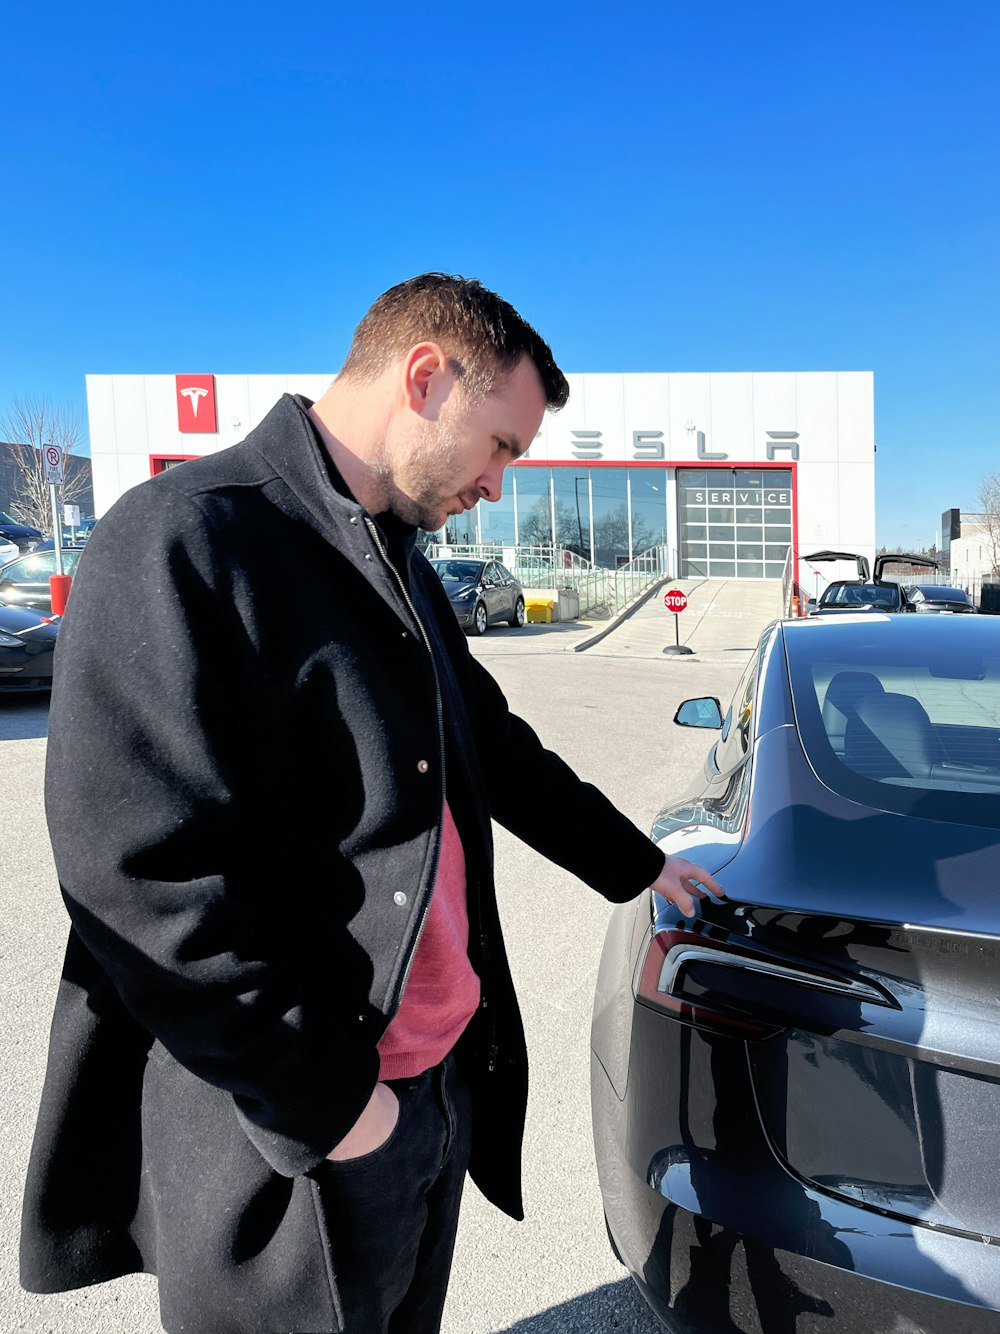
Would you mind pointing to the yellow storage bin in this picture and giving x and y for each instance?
(539, 610)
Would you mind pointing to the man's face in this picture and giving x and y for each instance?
(443, 461)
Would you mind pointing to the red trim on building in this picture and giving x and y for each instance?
(649, 463)
(795, 511)
(161, 462)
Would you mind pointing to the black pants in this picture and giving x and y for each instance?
(392, 1214)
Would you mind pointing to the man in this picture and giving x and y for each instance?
(286, 1024)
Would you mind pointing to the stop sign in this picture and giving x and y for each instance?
(675, 600)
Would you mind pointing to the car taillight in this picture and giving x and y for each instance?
(656, 989)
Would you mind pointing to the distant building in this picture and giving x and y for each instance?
(10, 472)
(728, 470)
(972, 557)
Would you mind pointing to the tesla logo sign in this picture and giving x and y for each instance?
(196, 404)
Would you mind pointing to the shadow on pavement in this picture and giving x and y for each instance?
(615, 1306)
(549, 627)
(23, 717)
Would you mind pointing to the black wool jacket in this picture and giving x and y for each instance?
(254, 716)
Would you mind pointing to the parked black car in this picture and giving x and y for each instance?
(939, 598)
(25, 582)
(866, 592)
(23, 534)
(27, 644)
(796, 1093)
(482, 592)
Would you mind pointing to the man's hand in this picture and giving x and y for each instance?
(681, 882)
(372, 1128)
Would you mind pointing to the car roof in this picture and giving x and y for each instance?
(973, 632)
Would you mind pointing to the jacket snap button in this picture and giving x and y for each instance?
(399, 898)
(422, 766)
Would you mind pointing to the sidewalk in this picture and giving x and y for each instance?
(724, 617)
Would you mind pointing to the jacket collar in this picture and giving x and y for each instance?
(290, 443)
(288, 439)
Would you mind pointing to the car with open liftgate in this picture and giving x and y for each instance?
(796, 1093)
(481, 592)
(871, 590)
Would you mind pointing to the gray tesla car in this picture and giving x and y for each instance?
(796, 1094)
(482, 592)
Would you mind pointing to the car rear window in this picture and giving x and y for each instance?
(861, 595)
(904, 722)
(944, 595)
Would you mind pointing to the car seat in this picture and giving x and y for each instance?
(891, 736)
(842, 694)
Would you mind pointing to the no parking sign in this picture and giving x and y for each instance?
(53, 465)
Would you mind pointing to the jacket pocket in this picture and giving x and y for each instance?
(237, 1248)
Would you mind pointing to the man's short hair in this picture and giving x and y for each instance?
(482, 335)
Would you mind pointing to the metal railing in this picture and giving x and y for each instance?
(545, 567)
(647, 568)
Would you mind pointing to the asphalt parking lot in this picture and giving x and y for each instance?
(608, 711)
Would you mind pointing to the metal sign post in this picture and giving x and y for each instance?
(676, 601)
(59, 583)
(54, 477)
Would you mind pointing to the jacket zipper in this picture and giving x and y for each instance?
(373, 531)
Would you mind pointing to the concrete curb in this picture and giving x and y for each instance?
(623, 616)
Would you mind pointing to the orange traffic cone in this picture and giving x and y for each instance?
(795, 605)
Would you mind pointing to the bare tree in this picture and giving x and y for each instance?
(989, 504)
(31, 424)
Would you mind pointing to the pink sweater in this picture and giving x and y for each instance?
(442, 991)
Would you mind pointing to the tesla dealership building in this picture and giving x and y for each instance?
(726, 469)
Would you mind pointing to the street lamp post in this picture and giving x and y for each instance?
(579, 524)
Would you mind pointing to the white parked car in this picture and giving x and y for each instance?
(8, 550)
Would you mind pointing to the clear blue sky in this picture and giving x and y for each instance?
(668, 186)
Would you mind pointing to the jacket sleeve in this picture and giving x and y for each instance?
(615, 857)
(162, 766)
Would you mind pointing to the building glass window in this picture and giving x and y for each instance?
(534, 507)
(648, 487)
(496, 519)
(611, 516)
(462, 529)
(571, 489)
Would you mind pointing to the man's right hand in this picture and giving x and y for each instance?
(372, 1128)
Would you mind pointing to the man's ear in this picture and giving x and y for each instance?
(426, 379)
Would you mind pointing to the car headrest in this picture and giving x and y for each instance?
(843, 693)
(890, 736)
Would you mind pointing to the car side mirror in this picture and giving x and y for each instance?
(706, 712)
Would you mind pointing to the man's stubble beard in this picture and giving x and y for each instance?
(420, 485)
